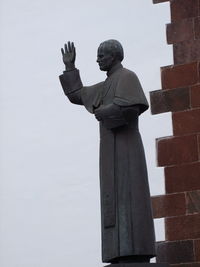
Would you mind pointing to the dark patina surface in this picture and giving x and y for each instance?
(117, 102)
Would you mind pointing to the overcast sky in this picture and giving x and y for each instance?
(49, 185)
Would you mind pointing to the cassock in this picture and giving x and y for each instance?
(126, 215)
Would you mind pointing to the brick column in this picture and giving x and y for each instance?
(180, 154)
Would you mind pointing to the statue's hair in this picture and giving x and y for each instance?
(115, 47)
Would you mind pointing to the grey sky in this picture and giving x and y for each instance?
(49, 187)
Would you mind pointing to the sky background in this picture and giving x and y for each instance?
(49, 185)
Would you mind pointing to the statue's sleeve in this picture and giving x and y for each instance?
(72, 85)
(129, 92)
(89, 96)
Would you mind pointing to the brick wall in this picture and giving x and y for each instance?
(180, 154)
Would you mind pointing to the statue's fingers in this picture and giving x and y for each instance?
(66, 49)
(69, 47)
(62, 51)
(74, 50)
(97, 117)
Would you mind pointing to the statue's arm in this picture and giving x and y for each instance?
(113, 116)
(70, 79)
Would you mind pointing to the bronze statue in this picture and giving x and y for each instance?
(117, 102)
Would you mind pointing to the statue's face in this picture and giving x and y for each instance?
(105, 58)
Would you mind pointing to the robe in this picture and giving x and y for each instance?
(126, 214)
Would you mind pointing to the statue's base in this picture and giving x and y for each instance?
(138, 265)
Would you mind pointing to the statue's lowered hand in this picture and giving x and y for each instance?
(99, 113)
(110, 115)
(107, 112)
(69, 56)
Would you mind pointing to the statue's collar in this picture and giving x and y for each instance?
(114, 68)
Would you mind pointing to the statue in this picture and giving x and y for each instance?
(126, 216)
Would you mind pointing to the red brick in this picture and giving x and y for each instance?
(168, 205)
(179, 76)
(198, 140)
(182, 227)
(159, 1)
(197, 249)
(182, 9)
(197, 28)
(175, 251)
(187, 51)
(182, 178)
(177, 150)
(185, 122)
(180, 31)
(195, 96)
(193, 202)
(169, 100)
(197, 264)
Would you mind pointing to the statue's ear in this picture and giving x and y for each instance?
(114, 58)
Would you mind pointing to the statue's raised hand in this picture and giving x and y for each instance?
(69, 56)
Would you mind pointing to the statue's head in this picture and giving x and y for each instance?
(109, 54)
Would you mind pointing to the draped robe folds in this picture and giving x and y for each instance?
(126, 216)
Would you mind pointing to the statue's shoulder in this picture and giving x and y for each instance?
(126, 73)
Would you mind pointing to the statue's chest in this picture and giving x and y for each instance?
(108, 91)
